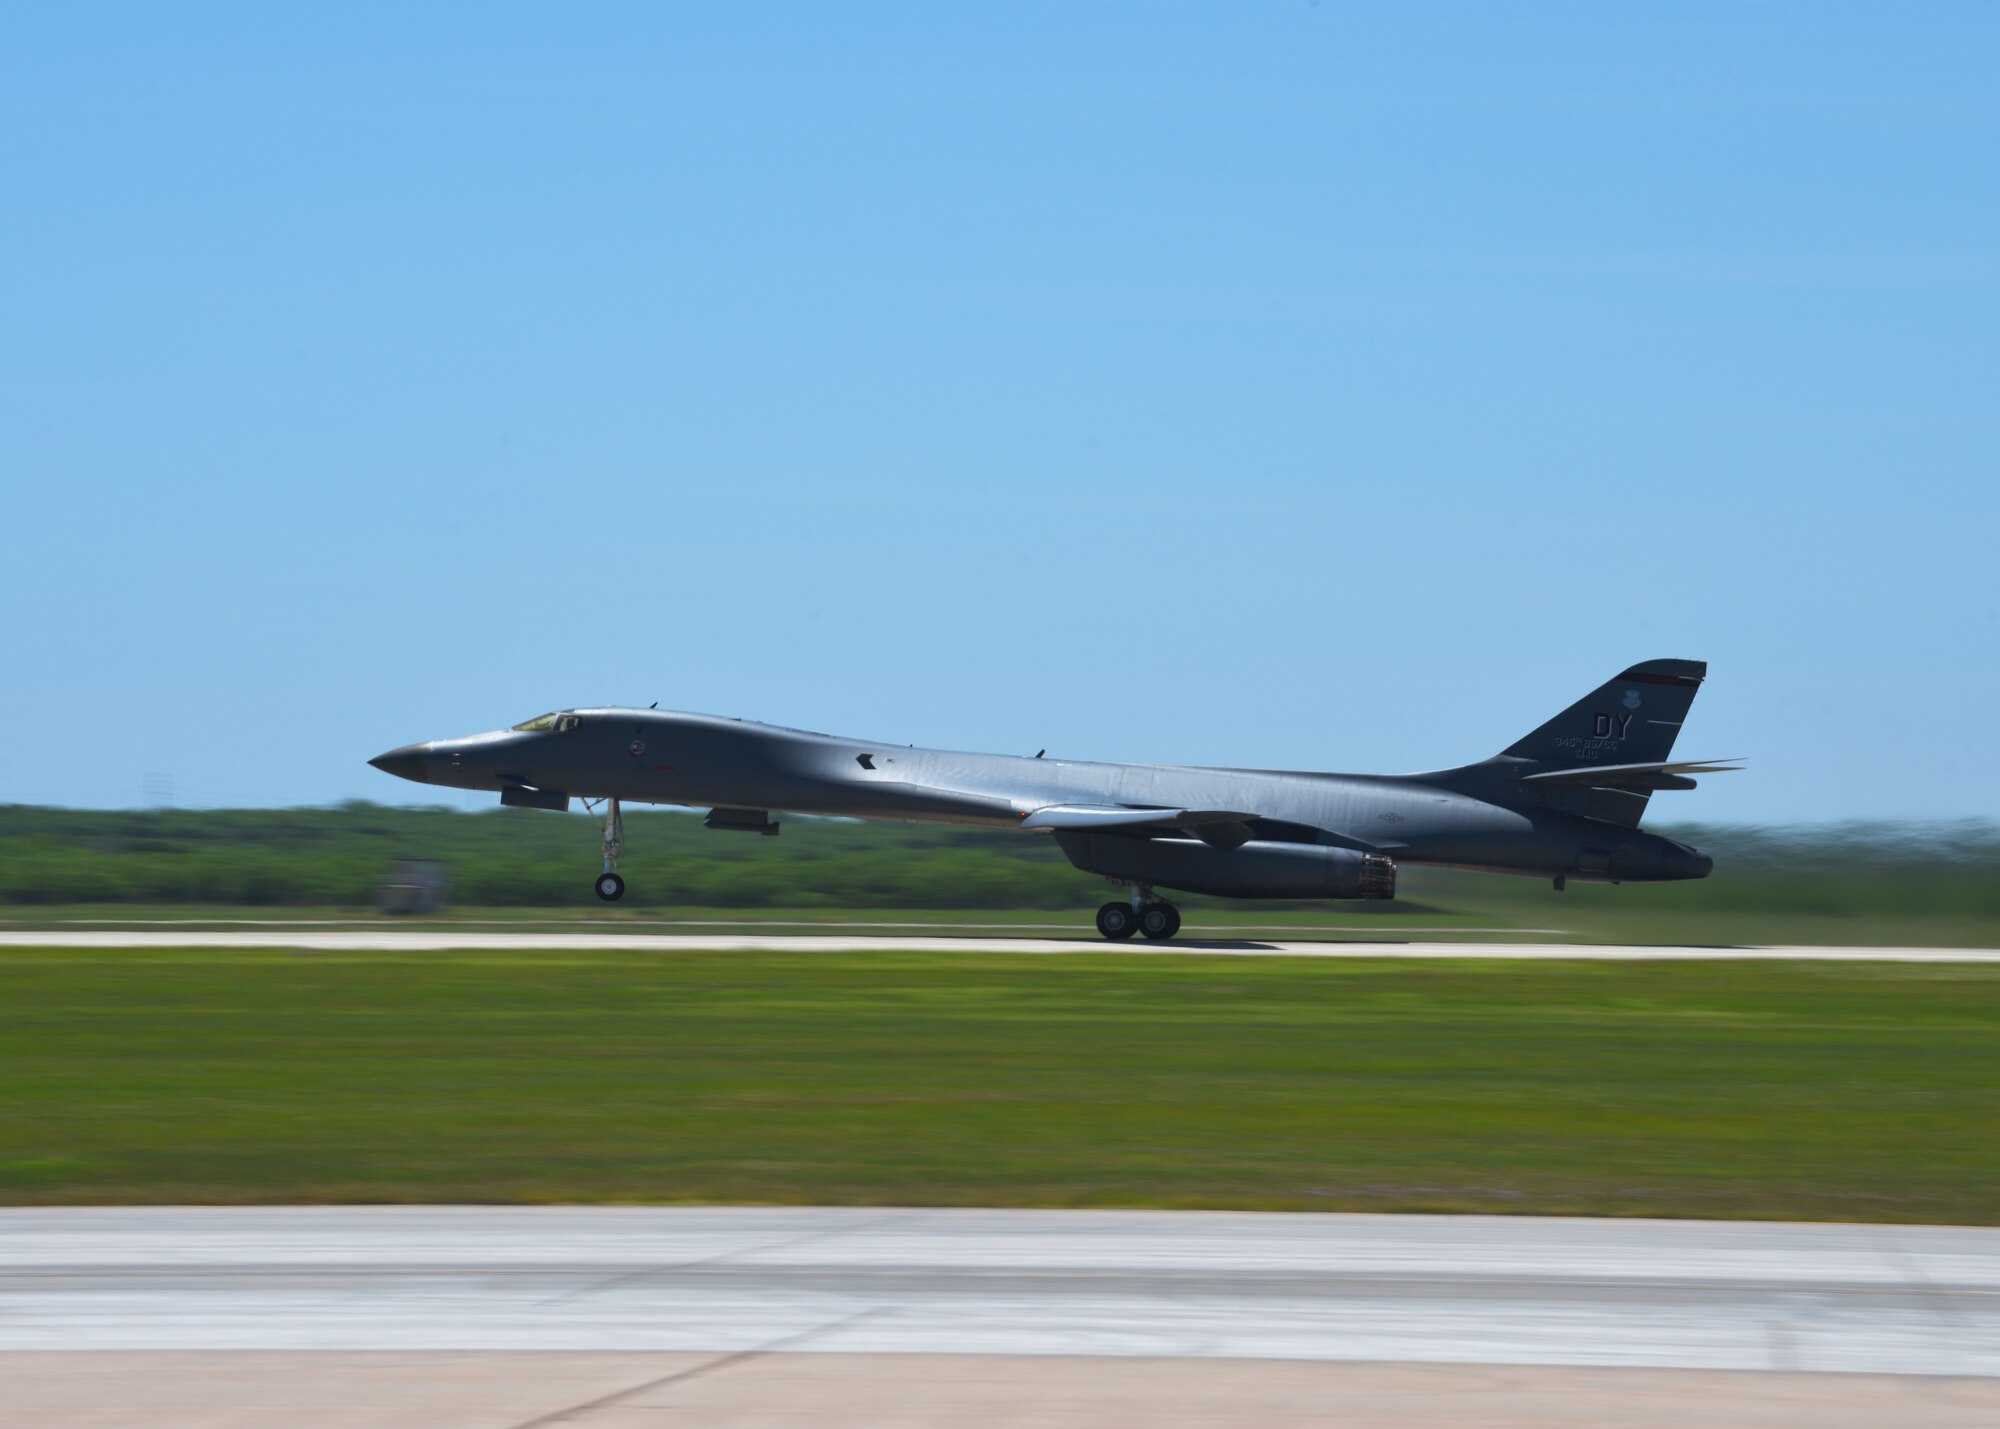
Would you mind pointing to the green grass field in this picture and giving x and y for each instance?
(1810, 1090)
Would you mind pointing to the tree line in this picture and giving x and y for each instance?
(338, 856)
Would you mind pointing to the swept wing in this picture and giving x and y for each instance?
(1224, 828)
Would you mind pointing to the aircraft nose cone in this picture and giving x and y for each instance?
(405, 763)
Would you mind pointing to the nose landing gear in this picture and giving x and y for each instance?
(610, 887)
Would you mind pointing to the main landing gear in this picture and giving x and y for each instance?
(1159, 920)
(1155, 918)
(610, 887)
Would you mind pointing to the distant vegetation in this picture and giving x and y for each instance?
(514, 858)
(511, 858)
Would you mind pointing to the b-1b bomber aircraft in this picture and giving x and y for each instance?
(1561, 803)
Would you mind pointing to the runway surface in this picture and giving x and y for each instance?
(415, 941)
(1890, 1300)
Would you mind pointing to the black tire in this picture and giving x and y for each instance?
(1159, 921)
(1115, 921)
(610, 887)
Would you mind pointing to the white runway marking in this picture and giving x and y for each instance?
(1428, 1289)
(399, 940)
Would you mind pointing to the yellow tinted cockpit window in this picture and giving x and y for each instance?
(537, 724)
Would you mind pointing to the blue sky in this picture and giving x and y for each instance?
(1315, 386)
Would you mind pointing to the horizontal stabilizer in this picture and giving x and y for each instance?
(1635, 776)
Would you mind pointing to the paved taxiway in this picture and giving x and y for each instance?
(400, 940)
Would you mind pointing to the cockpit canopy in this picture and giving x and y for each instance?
(559, 722)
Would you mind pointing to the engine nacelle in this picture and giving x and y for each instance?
(1255, 870)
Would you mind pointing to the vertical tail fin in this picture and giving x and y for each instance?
(1633, 719)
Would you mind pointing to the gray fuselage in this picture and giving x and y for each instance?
(1479, 817)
